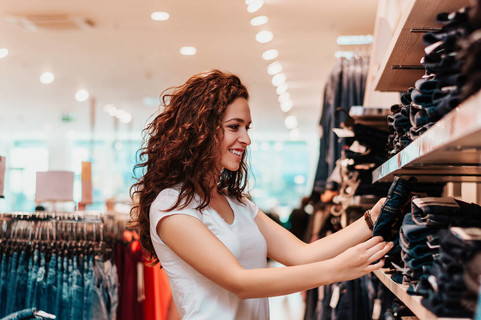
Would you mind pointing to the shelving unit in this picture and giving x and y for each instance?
(449, 151)
(402, 65)
(412, 302)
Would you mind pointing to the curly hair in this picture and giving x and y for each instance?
(181, 147)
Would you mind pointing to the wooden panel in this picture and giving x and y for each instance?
(406, 48)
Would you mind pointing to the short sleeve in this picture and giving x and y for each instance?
(160, 209)
(251, 207)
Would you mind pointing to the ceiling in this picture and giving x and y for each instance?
(126, 57)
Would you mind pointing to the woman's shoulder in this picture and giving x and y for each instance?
(167, 198)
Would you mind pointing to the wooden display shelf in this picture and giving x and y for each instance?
(412, 302)
(448, 151)
(402, 65)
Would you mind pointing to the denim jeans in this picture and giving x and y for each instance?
(41, 286)
(77, 292)
(21, 282)
(32, 280)
(391, 211)
(51, 285)
(12, 282)
(25, 314)
(3, 283)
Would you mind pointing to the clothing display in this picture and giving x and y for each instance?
(192, 292)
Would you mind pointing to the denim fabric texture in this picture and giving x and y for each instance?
(25, 314)
(20, 288)
(12, 282)
(390, 217)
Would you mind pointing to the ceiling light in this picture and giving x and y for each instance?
(81, 95)
(47, 77)
(286, 106)
(124, 116)
(3, 52)
(188, 51)
(159, 16)
(282, 88)
(278, 79)
(253, 6)
(264, 36)
(284, 97)
(290, 122)
(274, 68)
(110, 109)
(354, 40)
(270, 54)
(294, 134)
(259, 20)
(299, 179)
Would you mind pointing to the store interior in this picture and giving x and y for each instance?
(80, 80)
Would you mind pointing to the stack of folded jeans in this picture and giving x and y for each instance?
(448, 295)
(443, 87)
(417, 251)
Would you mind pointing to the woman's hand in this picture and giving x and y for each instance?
(362, 258)
(376, 210)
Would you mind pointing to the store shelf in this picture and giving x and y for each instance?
(449, 151)
(412, 302)
(402, 66)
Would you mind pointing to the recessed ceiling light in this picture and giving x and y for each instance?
(270, 54)
(253, 6)
(110, 109)
(188, 51)
(286, 106)
(354, 40)
(3, 52)
(47, 77)
(290, 122)
(284, 97)
(159, 16)
(278, 79)
(81, 95)
(274, 68)
(264, 36)
(259, 20)
(282, 88)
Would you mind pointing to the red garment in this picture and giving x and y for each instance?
(158, 294)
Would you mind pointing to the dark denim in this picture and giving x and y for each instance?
(3, 284)
(32, 280)
(457, 213)
(25, 314)
(12, 282)
(41, 286)
(21, 282)
(65, 305)
(77, 292)
(51, 285)
(390, 216)
(58, 299)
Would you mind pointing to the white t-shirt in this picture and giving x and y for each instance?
(197, 297)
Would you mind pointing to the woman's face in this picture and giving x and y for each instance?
(236, 122)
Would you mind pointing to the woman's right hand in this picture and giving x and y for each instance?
(362, 258)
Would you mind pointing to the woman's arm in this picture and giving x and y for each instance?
(284, 247)
(196, 245)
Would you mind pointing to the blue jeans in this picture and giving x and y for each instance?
(3, 284)
(51, 285)
(41, 286)
(32, 280)
(12, 282)
(22, 279)
(77, 292)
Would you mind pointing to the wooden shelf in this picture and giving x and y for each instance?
(448, 151)
(412, 302)
(406, 47)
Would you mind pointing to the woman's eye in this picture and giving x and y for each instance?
(248, 128)
(234, 126)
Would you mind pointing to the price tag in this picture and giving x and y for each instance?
(54, 186)
(376, 309)
(336, 293)
(87, 183)
(3, 161)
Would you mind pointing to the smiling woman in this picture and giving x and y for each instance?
(196, 220)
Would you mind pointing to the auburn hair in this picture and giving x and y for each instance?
(181, 148)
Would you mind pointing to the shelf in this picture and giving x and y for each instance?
(406, 48)
(448, 151)
(412, 302)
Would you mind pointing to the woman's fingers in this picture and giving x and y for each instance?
(377, 265)
(380, 253)
(371, 242)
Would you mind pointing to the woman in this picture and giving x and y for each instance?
(210, 239)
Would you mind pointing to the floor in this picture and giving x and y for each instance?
(290, 307)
